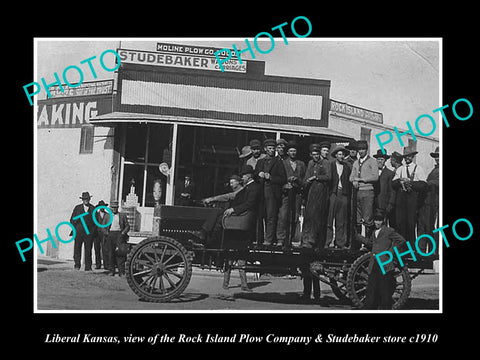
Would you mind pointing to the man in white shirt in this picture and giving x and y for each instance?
(409, 181)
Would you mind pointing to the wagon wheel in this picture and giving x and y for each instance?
(357, 283)
(158, 269)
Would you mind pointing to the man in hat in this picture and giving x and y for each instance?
(364, 174)
(235, 184)
(316, 186)
(117, 240)
(280, 148)
(291, 197)
(85, 231)
(340, 189)
(256, 149)
(428, 212)
(245, 199)
(272, 176)
(384, 193)
(244, 156)
(101, 251)
(185, 191)
(395, 161)
(409, 181)
(380, 287)
(352, 155)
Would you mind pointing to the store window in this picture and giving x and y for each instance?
(87, 134)
(210, 156)
(146, 147)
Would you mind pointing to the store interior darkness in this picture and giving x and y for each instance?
(210, 155)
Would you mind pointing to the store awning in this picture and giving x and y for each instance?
(116, 118)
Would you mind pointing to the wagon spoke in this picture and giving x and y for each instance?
(149, 258)
(173, 273)
(172, 284)
(174, 265)
(162, 286)
(152, 283)
(145, 280)
(163, 252)
(142, 272)
(144, 263)
(171, 257)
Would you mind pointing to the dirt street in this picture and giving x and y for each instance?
(59, 287)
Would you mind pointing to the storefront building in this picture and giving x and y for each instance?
(170, 113)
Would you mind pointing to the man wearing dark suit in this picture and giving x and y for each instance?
(380, 287)
(117, 240)
(289, 212)
(272, 176)
(340, 189)
(245, 199)
(384, 194)
(185, 192)
(84, 233)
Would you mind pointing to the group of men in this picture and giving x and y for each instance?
(353, 183)
(110, 243)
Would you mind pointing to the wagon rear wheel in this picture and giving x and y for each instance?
(158, 269)
(357, 279)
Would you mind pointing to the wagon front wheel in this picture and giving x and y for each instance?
(357, 279)
(158, 269)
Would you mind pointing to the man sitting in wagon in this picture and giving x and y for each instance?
(245, 202)
(227, 198)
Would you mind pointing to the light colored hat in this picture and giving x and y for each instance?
(246, 150)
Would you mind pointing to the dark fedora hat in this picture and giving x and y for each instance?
(397, 156)
(379, 154)
(362, 145)
(246, 169)
(85, 195)
(339, 148)
(436, 153)
(101, 203)
(352, 145)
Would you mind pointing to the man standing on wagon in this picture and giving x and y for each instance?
(364, 174)
(314, 232)
(271, 174)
